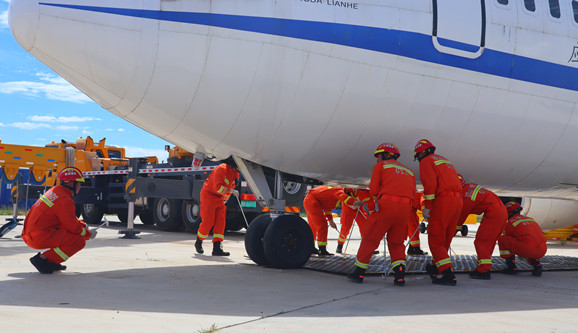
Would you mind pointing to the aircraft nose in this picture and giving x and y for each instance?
(23, 20)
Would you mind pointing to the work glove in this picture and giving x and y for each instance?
(425, 213)
(235, 193)
(93, 233)
(357, 204)
(332, 224)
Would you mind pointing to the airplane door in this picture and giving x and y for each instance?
(459, 27)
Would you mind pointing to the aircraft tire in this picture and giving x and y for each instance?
(254, 239)
(288, 242)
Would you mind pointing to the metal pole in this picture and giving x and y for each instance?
(242, 212)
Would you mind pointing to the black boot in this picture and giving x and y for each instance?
(315, 250)
(42, 264)
(339, 248)
(218, 250)
(479, 275)
(56, 267)
(511, 268)
(448, 278)
(199, 246)
(536, 267)
(398, 275)
(323, 251)
(415, 251)
(432, 270)
(357, 275)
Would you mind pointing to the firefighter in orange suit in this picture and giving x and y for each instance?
(524, 237)
(214, 194)
(350, 213)
(319, 203)
(413, 229)
(478, 200)
(393, 187)
(443, 204)
(51, 224)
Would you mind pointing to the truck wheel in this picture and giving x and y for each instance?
(288, 242)
(422, 227)
(78, 210)
(254, 239)
(167, 214)
(92, 214)
(146, 217)
(122, 216)
(464, 230)
(191, 215)
(234, 222)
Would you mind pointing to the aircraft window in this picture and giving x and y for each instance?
(503, 2)
(575, 8)
(554, 8)
(530, 5)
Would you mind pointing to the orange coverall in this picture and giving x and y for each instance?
(51, 224)
(524, 237)
(214, 195)
(414, 222)
(348, 214)
(393, 184)
(478, 200)
(318, 204)
(442, 194)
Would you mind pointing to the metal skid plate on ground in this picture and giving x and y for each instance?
(343, 264)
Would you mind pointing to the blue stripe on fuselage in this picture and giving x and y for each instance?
(403, 43)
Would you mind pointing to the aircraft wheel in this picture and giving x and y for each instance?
(167, 214)
(254, 239)
(464, 230)
(92, 214)
(288, 242)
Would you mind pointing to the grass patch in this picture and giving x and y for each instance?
(213, 328)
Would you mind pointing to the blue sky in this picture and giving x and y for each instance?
(37, 106)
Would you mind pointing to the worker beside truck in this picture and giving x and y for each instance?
(51, 224)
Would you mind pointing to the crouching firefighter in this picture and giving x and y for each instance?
(524, 237)
(393, 187)
(51, 224)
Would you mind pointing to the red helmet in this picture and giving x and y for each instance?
(512, 206)
(70, 173)
(422, 145)
(462, 180)
(387, 148)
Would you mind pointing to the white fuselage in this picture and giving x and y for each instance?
(312, 87)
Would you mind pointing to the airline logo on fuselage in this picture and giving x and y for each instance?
(574, 57)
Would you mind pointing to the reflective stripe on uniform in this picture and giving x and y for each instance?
(46, 201)
(222, 189)
(226, 181)
(443, 262)
(442, 162)
(458, 227)
(321, 243)
(361, 265)
(484, 261)
(61, 254)
(505, 252)
(429, 196)
(83, 232)
(397, 263)
(201, 236)
(475, 193)
(522, 220)
(389, 166)
(341, 239)
(218, 236)
(414, 243)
